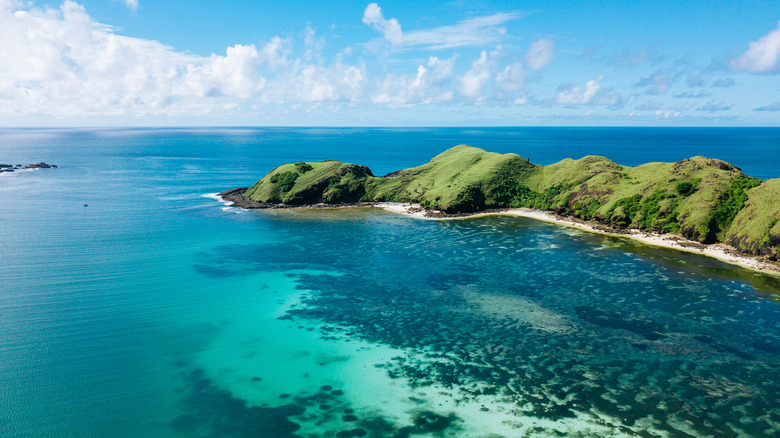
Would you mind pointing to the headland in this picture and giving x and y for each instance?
(698, 204)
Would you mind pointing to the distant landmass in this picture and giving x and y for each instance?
(702, 199)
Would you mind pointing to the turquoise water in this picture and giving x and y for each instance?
(157, 311)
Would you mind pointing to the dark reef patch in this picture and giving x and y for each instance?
(557, 323)
(214, 412)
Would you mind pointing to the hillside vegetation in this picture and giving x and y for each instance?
(702, 199)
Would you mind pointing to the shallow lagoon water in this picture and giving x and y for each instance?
(155, 311)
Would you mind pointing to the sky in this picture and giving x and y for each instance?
(390, 63)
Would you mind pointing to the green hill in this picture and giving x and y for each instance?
(702, 199)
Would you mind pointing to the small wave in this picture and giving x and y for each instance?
(214, 196)
(227, 205)
(18, 170)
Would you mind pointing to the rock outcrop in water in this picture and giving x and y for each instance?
(702, 199)
(11, 167)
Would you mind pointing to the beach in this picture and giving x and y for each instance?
(719, 251)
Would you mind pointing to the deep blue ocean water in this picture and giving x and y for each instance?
(157, 311)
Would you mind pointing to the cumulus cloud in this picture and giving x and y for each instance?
(309, 83)
(772, 107)
(540, 53)
(590, 94)
(311, 42)
(235, 74)
(132, 4)
(391, 29)
(713, 106)
(761, 56)
(512, 78)
(431, 84)
(60, 62)
(472, 82)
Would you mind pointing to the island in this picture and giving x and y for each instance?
(702, 200)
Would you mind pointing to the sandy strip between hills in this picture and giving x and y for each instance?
(719, 251)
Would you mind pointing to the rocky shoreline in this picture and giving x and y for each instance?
(720, 251)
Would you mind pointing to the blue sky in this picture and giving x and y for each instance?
(390, 63)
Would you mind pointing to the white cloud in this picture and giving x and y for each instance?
(713, 106)
(512, 78)
(312, 43)
(275, 53)
(692, 94)
(659, 82)
(761, 56)
(472, 82)
(132, 4)
(771, 107)
(684, 106)
(650, 105)
(472, 32)
(309, 83)
(60, 62)
(391, 29)
(432, 83)
(590, 94)
(577, 95)
(233, 75)
(668, 114)
(540, 53)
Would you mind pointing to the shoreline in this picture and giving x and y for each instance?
(720, 251)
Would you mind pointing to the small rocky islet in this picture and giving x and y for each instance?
(701, 199)
(11, 168)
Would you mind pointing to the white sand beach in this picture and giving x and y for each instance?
(719, 251)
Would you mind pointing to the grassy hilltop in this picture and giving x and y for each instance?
(702, 199)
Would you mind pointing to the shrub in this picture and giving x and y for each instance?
(686, 188)
(303, 167)
(729, 204)
(285, 180)
(623, 211)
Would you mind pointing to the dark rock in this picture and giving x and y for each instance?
(351, 433)
(41, 165)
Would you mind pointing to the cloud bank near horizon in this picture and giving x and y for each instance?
(60, 62)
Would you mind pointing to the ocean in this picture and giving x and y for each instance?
(135, 304)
